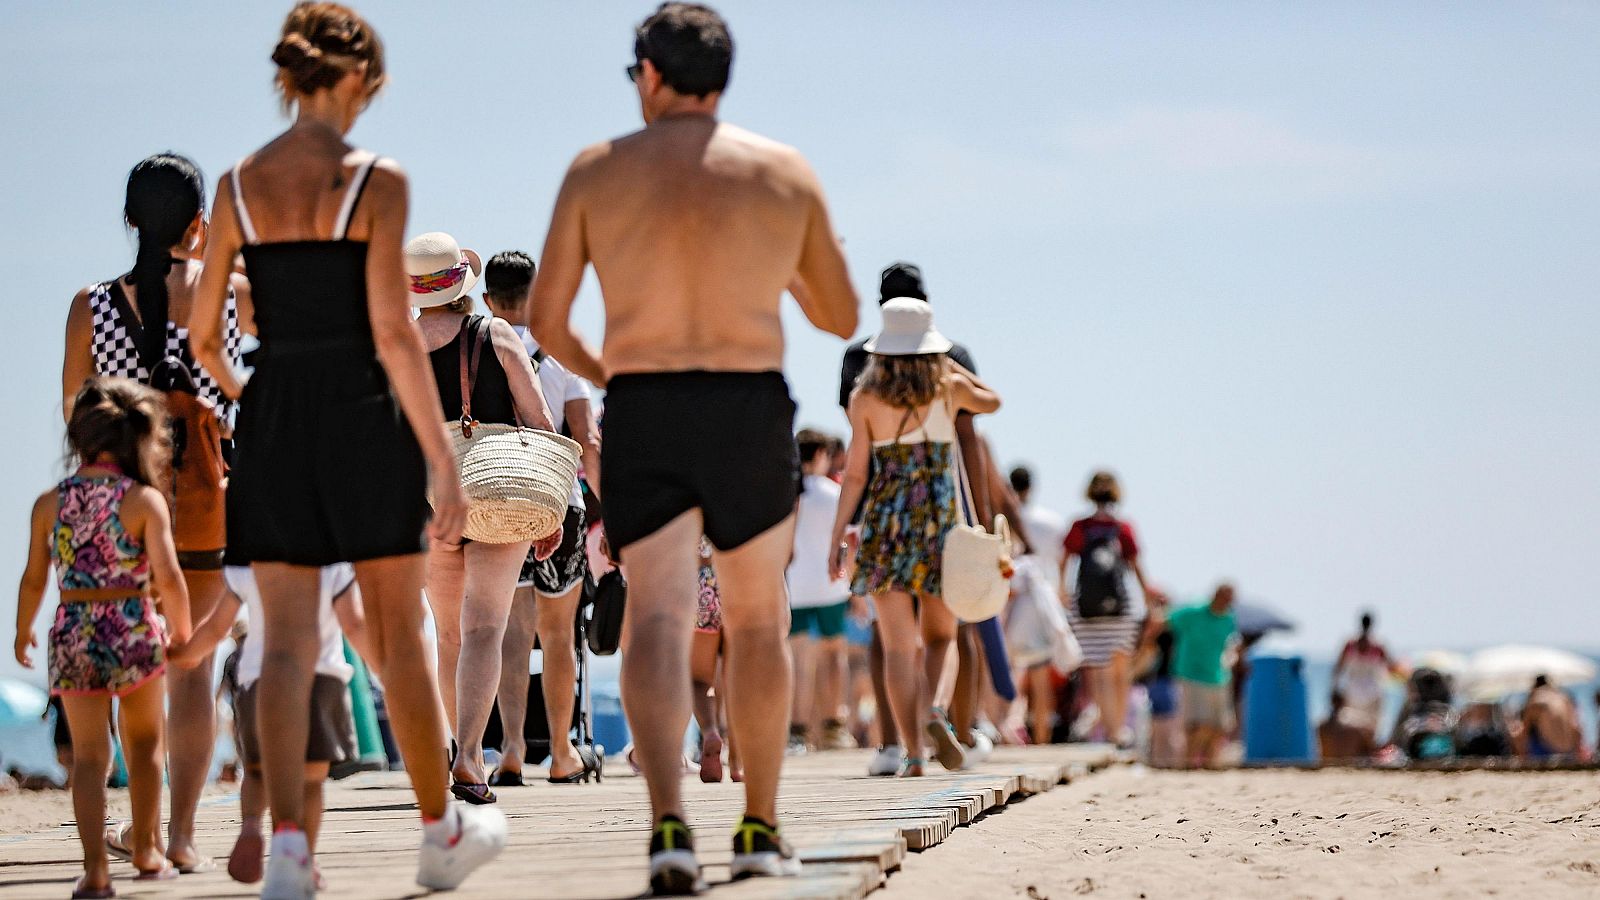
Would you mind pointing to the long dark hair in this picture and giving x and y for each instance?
(165, 193)
(123, 418)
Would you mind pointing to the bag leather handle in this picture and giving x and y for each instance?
(470, 358)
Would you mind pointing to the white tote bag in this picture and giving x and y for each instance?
(975, 588)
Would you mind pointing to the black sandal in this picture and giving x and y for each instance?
(502, 778)
(476, 794)
(593, 764)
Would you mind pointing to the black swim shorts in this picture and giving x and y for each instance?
(722, 442)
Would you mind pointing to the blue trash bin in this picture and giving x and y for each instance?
(1277, 723)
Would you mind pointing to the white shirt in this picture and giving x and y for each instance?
(809, 585)
(1047, 530)
(559, 386)
(334, 581)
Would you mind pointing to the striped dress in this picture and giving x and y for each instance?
(1103, 637)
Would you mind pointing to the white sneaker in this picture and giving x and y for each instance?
(480, 835)
(886, 761)
(290, 873)
(980, 749)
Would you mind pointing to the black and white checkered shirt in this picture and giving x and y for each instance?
(116, 355)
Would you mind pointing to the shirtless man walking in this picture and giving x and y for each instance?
(695, 229)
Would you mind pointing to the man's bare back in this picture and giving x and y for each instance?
(695, 228)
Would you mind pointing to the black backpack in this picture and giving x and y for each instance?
(1102, 585)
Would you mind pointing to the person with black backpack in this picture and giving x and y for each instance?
(1102, 613)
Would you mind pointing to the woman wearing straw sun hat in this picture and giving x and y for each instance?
(471, 584)
(902, 420)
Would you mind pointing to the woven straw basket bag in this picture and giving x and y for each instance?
(518, 480)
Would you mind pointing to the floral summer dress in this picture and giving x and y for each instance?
(910, 507)
(708, 608)
(102, 646)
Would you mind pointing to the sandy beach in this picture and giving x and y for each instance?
(1138, 833)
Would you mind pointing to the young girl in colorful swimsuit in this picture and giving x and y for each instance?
(106, 531)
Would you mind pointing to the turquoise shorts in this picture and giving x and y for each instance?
(819, 621)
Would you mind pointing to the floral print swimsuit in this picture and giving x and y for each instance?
(102, 646)
(910, 507)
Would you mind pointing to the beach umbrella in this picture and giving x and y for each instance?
(1511, 669)
(1447, 662)
(20, 702)
(1258, 618)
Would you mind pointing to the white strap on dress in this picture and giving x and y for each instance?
(245, 224)
(348, 207)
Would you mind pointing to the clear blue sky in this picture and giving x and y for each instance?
(1319, 283)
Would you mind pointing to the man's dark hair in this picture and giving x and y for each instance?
(1366, 622)
(507, 277)
(689, 45)
(811, 443)
(1021, 479)
(901, 279)
(1541, 682)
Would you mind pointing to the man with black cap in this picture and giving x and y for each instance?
(901, 279)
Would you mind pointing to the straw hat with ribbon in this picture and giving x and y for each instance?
(440, 270)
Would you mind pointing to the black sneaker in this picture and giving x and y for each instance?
(759, 851)
(674, 870)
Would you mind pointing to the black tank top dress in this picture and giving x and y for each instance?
(325, 468)
(492, 403)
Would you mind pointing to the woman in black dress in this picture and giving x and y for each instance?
(339, 429)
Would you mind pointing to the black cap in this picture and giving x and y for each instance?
(901, 279)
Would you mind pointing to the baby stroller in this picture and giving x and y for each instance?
(536, 727)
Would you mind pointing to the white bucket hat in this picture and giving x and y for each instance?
(908, 330)
(440, 271)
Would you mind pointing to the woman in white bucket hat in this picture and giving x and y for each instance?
(903, 461)
(470, 584)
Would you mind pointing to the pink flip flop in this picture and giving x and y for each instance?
(165, 873)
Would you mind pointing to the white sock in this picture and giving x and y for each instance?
(444, 830)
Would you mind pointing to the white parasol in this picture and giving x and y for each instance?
(1511, 669)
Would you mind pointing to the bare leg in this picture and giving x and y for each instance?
(663, 572)
(316, 774)
(447, 585)
(1114, 708)
(193, 714)
(1041, 703)
(391, 590)
(515, 649)
(938, 634)
(142, 720)
(755, 627)
(244, 863)
(87, 717)
(556, 617)
(703, 651)
(491, 581)
(903, 677)
(832, 671)
(969, 672)
(289, 659)
(888, 731)
(802, 650)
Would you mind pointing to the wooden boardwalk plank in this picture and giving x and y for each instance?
(588, 841)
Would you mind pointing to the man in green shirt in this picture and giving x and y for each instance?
(1201, 634)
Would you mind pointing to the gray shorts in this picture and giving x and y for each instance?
(1206, 705)
(332, 738)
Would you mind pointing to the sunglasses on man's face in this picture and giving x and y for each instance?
(634, 71)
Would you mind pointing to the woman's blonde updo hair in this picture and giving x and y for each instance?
(1103, 489)
(322, 43)
(904, 382)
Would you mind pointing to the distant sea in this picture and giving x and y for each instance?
(27, 745)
